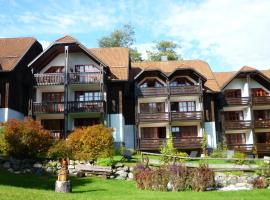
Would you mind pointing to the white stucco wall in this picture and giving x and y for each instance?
(210, 130)
(129, 135)
(116, 122)
(8, 113)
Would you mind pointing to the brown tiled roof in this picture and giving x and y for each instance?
(168, 67)
(224, 77)
(266, 73)
(12, 50)
(66, 39)
(117, 59)
(247, 69)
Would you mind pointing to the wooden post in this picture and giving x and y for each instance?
(6, 95)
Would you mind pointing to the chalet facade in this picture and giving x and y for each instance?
(15, 77)
(68, 86)
(76, 86)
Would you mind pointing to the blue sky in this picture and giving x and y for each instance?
(227, 34)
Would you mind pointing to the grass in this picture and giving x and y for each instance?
(42, 188)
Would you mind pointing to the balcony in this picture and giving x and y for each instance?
(151, 144)
(49, 79)
(153, 117)
(86, 106)
(245, 148)
(178, 116)
(181, 90)
(56, 134)
(229, 125)
(85, 77)
(263, 148)
(152, 91)
(265, 123)
(48, 107)
(237, 101)
(187, 142)
(264, 100)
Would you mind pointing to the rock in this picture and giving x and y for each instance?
(71, 167)
(63, 186)
(49, 170)
(120, 178)
(169, 186)
(80, 174)
(37, 165)
(6, 165)
(112, 177)
(122, 173)
(17, 172)
(130, 175)
(119, 165)
(131, 169)
(71, 162)
(10, 170)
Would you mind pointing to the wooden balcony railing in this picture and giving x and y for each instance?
(49, 79)
(263, 147)
(237, 124)
(178, 116)
(48, 107)
(237, 101)
(86, 106)
(187, 142)
(56, 134)
(265, 123)
(245, 148)
(261, 100)
(152, 91)
(150, 144)
(153, 117)
(190, 89)
(85, 77)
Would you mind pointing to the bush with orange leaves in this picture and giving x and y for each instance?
(26, 139)
(90, 143)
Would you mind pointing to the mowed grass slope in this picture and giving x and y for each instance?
(28, 187)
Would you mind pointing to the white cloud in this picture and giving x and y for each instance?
(143, 48)
(44, 43)
(237, 32)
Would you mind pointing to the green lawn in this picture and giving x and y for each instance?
(28, 187)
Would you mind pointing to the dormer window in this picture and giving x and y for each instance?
(86, 68)
(181, 81)
(152, 82)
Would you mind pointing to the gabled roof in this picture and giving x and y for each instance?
(117, 59)
(169, 67)
(224, 78)
(12, 51)
(66, 39)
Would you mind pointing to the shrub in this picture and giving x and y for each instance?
(60, 150)
(259, 182)
(178, 175)
(26, 139)
(90, 143)
(182, 154)
(167, 150)
(143, 176)
(240, 158)
(202, 178)
(160, 178)
(3, 144)
(220, 151)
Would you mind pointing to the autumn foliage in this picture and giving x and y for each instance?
(26, 139)
(90, 143)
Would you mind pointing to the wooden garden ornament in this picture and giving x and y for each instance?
(63, 183)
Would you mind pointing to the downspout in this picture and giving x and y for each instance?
(66, 93)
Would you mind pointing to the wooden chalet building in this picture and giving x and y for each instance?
(76, 86)
(15, 77)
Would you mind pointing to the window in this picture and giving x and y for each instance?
(181, 81)
(184, 131)
(79, 122)
(263, 137)
(52, 97)
(86, 68)
(55, 69)
(153, 132)
(261, 114)
(87, 96)
(235, 93)
(151, 82)
(233, 115)
(258, 92)
(236, 138)
(183, 106)
(152, 107)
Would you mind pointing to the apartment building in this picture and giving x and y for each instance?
(15, 78)
(76, 86)
(245, 109)
(174, 97)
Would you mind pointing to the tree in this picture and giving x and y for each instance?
(164, 48)
(123, 37)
